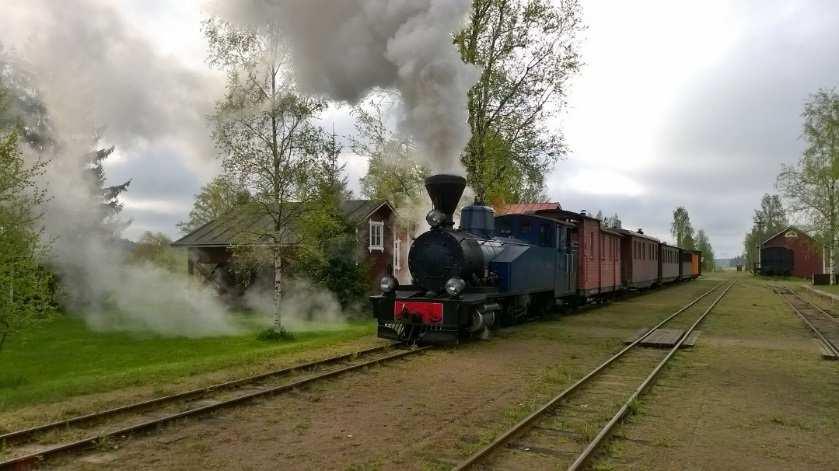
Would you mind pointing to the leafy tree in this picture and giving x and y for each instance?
(703, 244)
(25, 287)
(264, 132)
(682, 229)
(526, 51)
(393, 173)
(612, 222)
(217, 198)
(155, 248)
(327, 239)
(768, 220)
(810, 185)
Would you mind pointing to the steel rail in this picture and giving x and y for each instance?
(85, 442)
(18, 435)
(607, 429)
(832, 348)
(817, 307)
(522, 424)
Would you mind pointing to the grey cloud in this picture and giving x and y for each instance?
(734, 124)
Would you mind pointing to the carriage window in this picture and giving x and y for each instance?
(544, 238)
(525, 228)
(503, 229)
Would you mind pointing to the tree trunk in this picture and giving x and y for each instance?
(278, 289)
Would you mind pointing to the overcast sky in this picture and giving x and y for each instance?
(679, 103)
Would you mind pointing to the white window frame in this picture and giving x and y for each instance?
(376, 231)
(397, 254)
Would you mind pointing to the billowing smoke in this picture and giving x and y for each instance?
(93, 70)
(346, 49)
(305, 306)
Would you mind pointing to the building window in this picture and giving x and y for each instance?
(377, 236)
(397, 254)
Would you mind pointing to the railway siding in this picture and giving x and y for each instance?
(753, 394)
(569, 428)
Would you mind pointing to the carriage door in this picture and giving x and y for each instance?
(563, 262)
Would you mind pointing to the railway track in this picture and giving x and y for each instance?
(33, 445)
(569, 428)
(824, 326)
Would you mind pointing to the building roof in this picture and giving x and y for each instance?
(527, 208)
(226, 230)
(637, 234)
(799, 231)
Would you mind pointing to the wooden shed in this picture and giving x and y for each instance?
(803, 255)
(380, 240)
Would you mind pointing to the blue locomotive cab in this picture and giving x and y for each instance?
(542, 260)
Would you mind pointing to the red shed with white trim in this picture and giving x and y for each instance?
(806, 251)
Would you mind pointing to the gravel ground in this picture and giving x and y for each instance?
(426, 412)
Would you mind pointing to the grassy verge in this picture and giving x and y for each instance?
(64, 358)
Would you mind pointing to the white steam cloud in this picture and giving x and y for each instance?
(346, 49)
(92, 70)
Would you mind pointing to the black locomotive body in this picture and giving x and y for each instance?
(490, 271)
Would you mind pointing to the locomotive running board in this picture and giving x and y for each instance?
(664, 338)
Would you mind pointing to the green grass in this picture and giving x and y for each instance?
(832, 289)
(64, 358)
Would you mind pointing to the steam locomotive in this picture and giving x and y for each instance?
(498, 270)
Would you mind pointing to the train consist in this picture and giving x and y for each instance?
(498, 270)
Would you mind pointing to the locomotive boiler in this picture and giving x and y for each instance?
(488, 272)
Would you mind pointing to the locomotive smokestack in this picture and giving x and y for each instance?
(445, 192)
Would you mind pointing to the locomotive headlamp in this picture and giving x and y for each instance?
(387, 284)
(455, 286)
(434, 218)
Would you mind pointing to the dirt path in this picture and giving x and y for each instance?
(421, 413)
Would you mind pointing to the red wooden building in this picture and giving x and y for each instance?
(806, 254)
(380, 241)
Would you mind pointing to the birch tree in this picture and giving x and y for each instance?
(265, 136)
(526, 51)
(703, 244)
(770, 219)
(810, 185)
(682, 229)
(393, 172)
(218, 197)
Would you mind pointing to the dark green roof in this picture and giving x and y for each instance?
(224, 231)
